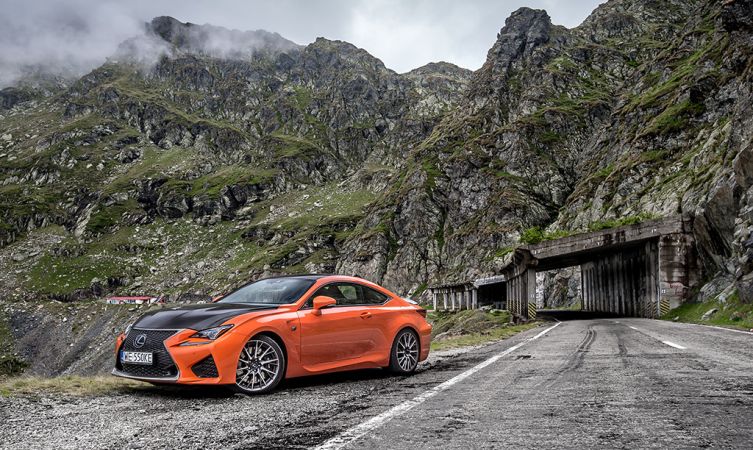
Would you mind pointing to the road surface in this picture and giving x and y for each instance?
(617, 383)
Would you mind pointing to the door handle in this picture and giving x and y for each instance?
(365, 315)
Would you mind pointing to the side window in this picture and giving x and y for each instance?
(349, 295)
(372, 297)
(345, 294)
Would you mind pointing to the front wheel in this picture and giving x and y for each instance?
(404, 354)
(261, 366)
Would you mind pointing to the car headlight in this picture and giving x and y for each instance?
(128, 329)
(212, 333)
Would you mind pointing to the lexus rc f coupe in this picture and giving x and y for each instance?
(276, 328)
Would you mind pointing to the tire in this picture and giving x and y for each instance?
(261, 366)
(405, 352)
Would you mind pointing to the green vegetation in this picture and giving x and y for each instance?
(504, 251)
(674, 118)
(732, 313)
(472, 327)
(289, 146)
(154, 162)
(9, 363)
(431, 168)
(535, 235)
(69, 385)
(604, 172)
(213, 183)
(105, 217)
(623, 221)
(64, 275)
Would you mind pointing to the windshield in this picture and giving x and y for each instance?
(277, 291)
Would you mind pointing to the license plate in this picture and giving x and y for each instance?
(136, 357)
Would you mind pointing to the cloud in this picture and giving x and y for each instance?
(65, 39)
(76, 36)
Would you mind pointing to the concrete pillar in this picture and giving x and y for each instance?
(583, 291)
(435, 303)
(530, 290)
(474, 294)
(676, 268)
(444, 299)
(653, 281)
(613, 268)
(584, 287)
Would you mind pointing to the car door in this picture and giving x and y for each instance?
(341, 332)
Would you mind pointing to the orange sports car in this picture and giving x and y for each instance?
(276, 328)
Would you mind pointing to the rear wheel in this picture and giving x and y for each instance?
(261, 366)
(404, 355)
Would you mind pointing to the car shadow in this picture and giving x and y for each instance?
(188, 392)
(334, 378)
(182, 391)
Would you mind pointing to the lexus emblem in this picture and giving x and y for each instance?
(139, 341)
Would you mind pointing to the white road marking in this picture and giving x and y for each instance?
(672, 344)
(724, 328)
(353, 434)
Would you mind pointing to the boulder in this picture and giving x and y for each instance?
(708, 314)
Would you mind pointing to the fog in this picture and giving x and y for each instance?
(72, 37)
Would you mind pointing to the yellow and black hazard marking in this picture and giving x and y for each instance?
(532, 310)
(663, 307)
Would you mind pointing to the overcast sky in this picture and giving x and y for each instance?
(404, 34)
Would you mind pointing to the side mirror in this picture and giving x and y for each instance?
(217, 298)
(322, 301)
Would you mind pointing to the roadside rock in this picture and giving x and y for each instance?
(708, 314)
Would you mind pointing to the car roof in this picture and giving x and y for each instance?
(308, 276)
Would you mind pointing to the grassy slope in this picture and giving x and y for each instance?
(472, 327)
(731, 313)
(70, 384)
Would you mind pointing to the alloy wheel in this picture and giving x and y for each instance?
(407, 351)
(258, 366)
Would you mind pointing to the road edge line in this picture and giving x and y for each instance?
(356, 432)
(719, 328)
(672, 344)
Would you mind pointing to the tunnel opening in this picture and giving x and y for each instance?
(619, 280)
(559, 289)
(493, 294)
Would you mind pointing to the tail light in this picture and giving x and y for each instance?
(422, 312)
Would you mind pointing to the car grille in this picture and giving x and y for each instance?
(162, 364)
(205, 368)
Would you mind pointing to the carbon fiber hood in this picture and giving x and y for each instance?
(196, 317)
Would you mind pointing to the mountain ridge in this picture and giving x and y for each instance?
(210, 166)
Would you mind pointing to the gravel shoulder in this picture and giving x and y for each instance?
(301, 413)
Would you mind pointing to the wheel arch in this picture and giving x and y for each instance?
(407, 326)
(277, 338)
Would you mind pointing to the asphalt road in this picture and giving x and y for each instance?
(616, 383)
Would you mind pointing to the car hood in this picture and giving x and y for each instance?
(195, 317)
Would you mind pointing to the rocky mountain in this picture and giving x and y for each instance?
(200, 157)
(197, 157)
(641, 111)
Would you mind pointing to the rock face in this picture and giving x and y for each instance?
(200, 157)
(641, 111)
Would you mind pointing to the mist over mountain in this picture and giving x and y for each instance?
(61, 41)
(58, 39)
